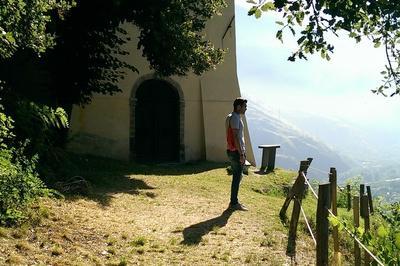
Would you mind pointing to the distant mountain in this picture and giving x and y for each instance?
(360, 142)
(369, 152)
(296, 145)
(374, 149)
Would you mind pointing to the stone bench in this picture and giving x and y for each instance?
(268, 157)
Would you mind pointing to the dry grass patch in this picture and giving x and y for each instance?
(3, 232)
(23, 246)
(173, 214)
(19, 233)
(15, 259)
(57, 250)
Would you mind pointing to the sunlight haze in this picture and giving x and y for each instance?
(318, 108)
(338, 88)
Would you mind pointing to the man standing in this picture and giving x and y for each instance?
(236, 150)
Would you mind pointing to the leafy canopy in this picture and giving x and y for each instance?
(376, 20)
(23, 24)
(89, 45)
(61, 52)
(92, 44)
(170, 34)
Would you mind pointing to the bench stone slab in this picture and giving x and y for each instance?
(268, 157)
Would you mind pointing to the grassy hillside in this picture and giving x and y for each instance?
(164, 214)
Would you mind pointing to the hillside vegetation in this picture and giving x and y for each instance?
(160, 214)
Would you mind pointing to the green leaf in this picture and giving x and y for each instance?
(352, 34)
(377, 44)
(279, 23)
(279, 35)
(360, 231)
(292, 30)
(252, 11)
(334, 221)
(341, 227)
(301, 39)
(299, 18)
(251, 2)
(382, 232)
(397, 240)
(268, 6)
(258, 13)
(323, 54)
(328, 57)
(9, 37)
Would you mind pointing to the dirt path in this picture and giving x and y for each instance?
(177, 219)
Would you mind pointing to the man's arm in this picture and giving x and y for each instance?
(237, 145)
(227, 124)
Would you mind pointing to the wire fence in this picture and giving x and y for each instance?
(307, 222)
(344, 227)
(297, 192)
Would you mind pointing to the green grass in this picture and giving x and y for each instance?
(162, 214)
(139, 241)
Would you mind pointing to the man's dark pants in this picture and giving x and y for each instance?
(237, 169)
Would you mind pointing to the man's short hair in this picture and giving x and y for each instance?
(239, 101)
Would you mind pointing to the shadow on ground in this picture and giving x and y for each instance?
(193, 234)
(100, 164)
(102, 189)
(106, 177)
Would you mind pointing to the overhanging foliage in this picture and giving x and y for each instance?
(375, 20)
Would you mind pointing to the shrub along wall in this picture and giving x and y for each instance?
(19, 181)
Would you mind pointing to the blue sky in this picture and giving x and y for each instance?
(340, 88)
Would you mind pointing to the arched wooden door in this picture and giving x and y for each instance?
(157, 124)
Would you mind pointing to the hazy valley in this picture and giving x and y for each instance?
(353, 150)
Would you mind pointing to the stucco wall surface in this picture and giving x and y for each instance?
(105, 126)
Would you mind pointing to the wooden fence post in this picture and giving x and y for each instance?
(323, 224)
(298, 193)
(309, 159)
(362, 192)
(364, 199)
(356, 215)
(348, 197)
(296, 186)
(335, 232)
(371, 207)
(291, 247)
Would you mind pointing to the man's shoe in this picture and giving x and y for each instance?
(238, 207)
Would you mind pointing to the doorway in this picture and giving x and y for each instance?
(157, 122)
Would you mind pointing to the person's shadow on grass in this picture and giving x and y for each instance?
(192, 235)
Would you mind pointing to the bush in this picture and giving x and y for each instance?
(46, 129)
(5, 129)
(19, 182)
(354, 183)
(385, 239)
(38, 123)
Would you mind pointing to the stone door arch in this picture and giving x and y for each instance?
(156, 122)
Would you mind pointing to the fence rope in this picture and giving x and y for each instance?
(345, 228)
(341, 189)
(358, 241)
(306, 220)
(309, 185)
